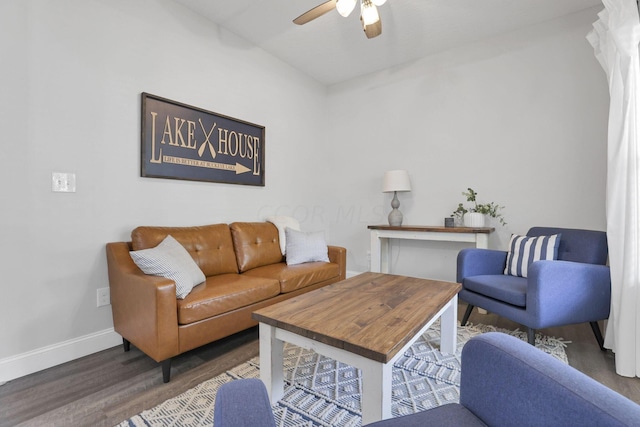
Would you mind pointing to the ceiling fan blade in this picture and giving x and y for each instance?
(373, 30)
(316, 12)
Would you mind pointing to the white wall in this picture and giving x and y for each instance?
(521, 118)
(72, 74)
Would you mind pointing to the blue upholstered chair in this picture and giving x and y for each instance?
(575, 288)
(504, 382)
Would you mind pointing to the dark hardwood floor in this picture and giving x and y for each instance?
(108, 387)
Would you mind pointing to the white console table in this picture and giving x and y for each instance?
(380, 235)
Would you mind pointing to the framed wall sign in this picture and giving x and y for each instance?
(184, 142)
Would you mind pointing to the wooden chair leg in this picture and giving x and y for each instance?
(596, 331)
(466, 315)
(166, 370)
(126, 344)
(531, 336)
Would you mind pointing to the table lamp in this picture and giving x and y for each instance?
(396, 180)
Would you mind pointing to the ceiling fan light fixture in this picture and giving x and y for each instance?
(345, 7)
(378, 2)
(369, 13)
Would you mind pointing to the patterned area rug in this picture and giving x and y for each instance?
(322, 392)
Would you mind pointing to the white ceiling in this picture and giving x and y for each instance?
(333, 49)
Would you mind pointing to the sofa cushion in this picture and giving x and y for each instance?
(170, 260)
(509, 289)
(299, 276)
(305, 247)
(223, 293)
(210, 246)
(256, 244)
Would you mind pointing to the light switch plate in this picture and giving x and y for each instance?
(63, 182)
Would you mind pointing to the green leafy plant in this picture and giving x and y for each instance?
(492, 209)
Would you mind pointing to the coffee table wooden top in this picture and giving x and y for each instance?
(373, 314)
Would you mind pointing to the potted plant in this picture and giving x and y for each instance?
(474, 216)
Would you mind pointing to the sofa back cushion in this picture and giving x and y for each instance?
(256, 244)
(577, 245)
(210, 246)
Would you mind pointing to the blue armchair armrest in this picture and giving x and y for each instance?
(477, 262)
(565, 292)
(508, 382)
(243, 403)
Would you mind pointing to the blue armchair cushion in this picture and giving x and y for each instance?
(452, 414)
(524, 250)
(509, 289)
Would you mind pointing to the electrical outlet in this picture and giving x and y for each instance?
(103, 297)
(63, 182)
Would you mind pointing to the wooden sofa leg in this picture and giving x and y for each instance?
(531, 336)
(166, 370)
(126, 344)
(596, 331)
(466, 315)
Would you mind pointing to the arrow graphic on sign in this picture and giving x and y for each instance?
(241, 169)
(238, 168)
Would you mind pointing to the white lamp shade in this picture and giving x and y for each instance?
(369, 13)
(378, 2)
(396, 180)
(345, 7)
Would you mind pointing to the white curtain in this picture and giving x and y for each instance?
(615, 39)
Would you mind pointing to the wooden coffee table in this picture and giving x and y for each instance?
(367, 321)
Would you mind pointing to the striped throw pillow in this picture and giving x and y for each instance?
(170, 260)
(524, 250)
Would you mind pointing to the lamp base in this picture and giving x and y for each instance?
(395, 216)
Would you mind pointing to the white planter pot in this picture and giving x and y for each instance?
(473, 219)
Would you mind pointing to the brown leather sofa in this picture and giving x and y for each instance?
(244, 270)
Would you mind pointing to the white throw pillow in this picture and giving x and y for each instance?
(282, 222)
(171, 260)
(305, 247)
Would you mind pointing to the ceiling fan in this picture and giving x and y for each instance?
(368, 14)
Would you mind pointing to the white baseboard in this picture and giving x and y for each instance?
(46, 357)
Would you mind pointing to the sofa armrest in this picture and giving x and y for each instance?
(565, 292)
(243, 403)
(506, 381)
(144, 307)
(476, 262)
(338, 255)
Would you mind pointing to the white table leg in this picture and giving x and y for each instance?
(449, 327)
(482, 241)
(384, 255)
(376, 391)
(375, 252)
(271, 362)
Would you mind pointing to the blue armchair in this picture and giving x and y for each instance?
(504, 382)
(575, 288)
